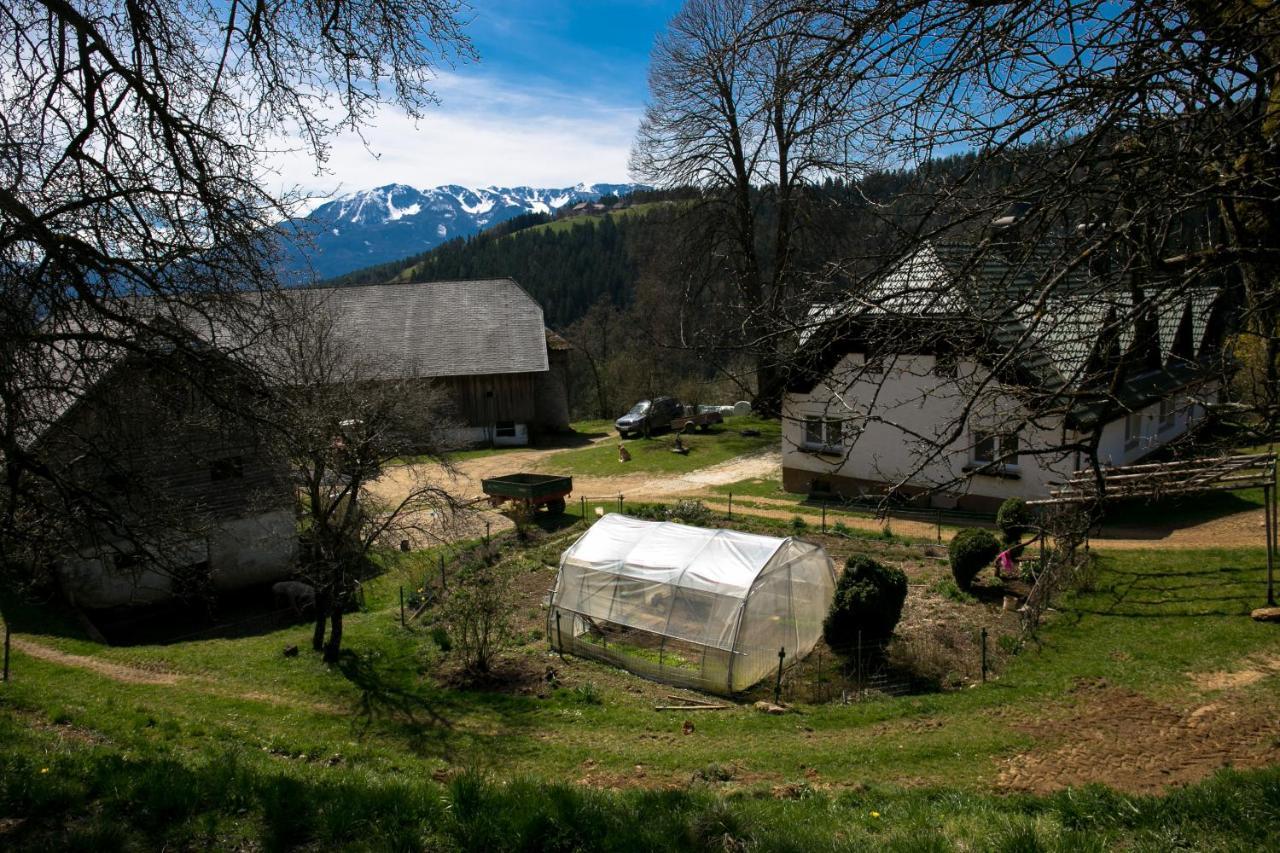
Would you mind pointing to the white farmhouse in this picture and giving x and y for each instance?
(963, 379)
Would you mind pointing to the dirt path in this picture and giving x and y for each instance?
(113, 671)
(127, 674)
(1241, 530)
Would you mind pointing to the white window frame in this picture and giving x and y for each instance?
(1005, 448)
(1133, 430)
(831, 433)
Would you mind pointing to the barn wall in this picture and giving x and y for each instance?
(198, 489)
(552, 393)
(482, 400)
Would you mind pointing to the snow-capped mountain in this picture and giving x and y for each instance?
(391, 222)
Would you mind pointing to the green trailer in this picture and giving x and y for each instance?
(533, 490)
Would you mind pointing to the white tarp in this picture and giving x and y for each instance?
(739, 594)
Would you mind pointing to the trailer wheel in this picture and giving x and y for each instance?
(555, 506)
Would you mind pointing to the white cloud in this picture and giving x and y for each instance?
(484, 132)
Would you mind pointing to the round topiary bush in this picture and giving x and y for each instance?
(1014, 517)
(869, 598)
(971, 551)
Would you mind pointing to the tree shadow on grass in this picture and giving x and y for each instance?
(395, 698)
(1211, 591)
(391, 691)
(1146, 519)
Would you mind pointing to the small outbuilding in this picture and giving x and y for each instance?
(702, 608)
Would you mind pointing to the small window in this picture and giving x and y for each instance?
(944, 365)
(984, 447)
(127, 562)
(824, 433)
(1167, 411)
(1132, 430)
(505, 429)
(990, 448)
(813, 432)
(230, 468)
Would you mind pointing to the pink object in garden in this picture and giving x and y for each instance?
(1005, 566)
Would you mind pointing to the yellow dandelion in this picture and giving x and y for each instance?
(44, 769)
(875, 814)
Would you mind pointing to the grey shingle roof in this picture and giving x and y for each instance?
(404, 330)
(440, 328)
(1052, 318)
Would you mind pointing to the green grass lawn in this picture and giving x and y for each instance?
(564, 225)
(719, 444)
(248, 747)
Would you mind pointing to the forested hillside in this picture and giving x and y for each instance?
(640, 292)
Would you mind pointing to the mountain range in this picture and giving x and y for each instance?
(374, 226)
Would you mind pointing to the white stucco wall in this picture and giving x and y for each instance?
(913, 410)
(253, 550)
(241, 552)
(479, 436)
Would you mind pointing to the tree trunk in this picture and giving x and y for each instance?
(322, 613)
(769, 389)
(334, 645)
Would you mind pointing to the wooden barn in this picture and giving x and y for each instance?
(218, 503)
(484, 340)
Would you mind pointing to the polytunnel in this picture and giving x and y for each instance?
(709, 609)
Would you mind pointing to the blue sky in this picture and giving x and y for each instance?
(554, 100)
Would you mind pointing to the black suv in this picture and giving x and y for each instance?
(649, 416)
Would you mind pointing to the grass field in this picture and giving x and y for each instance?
(719, 444)
(226, 743)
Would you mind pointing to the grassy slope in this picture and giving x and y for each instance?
(247, 732)
(718, 444)
(557, 226)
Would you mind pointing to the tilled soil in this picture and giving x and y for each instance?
(1126, 740)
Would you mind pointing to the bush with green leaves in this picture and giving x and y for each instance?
(971, 551)
(477, 612)
(1013, 518)
(868, 598)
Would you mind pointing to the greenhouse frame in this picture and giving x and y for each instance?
(715, 610)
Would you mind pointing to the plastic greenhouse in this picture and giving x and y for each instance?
(709, 609)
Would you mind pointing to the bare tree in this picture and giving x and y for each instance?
(340, 423)
(136, 143)
(749, 112)
(1150, 125)
(1124, 167)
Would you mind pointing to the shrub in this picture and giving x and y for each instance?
(947, 589)
(798, 524)
(971, 551)
(1013, 518)
(869, 598)
(477, 613)
(689, 512)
